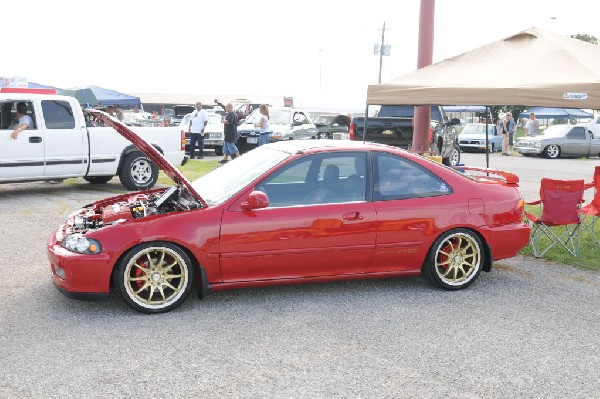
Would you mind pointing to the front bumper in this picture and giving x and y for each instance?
(82, 276)
(528, 150)
(473, 147)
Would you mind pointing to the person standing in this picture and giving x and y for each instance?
(508, 131)
(532, 126)
(119, 114)
(198, 122)
(25, 121)
(264, 125)
(230, 122)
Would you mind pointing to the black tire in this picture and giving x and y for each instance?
(454, 260)
(552, 151)
(98, 179)
(138, 172)
(154, 277)
(454, 158)
(219, 151)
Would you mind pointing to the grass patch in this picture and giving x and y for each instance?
(192, 170)
(589, 252)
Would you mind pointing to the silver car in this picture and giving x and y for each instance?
(560, 140)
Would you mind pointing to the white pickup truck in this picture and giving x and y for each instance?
(61, 144)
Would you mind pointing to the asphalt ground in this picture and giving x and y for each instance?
(528, 329)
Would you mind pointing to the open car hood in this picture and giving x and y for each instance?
(149, 150)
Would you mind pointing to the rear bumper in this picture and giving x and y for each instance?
(506, 241)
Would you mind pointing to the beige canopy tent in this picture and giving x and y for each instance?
(531, 68)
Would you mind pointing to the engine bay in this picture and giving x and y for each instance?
(136, 206)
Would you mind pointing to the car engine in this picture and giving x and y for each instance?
(137, 206)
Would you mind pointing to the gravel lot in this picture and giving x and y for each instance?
(527, 329)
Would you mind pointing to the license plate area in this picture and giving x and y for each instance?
(252, 140)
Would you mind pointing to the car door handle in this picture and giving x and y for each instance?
(352, 216)
(35, 139)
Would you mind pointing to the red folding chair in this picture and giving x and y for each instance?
(591, 212)
(560, 202)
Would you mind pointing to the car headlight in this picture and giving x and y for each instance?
(81, 244)
(537, 144)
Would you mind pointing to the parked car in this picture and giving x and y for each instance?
(286, 124)
(560, 140)
(285, 213)
(214, 133)
(393, 125)
(473, 138)
(180, 111)
(327, 125)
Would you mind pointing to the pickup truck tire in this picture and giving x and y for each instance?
(138, 172)
(453, 159)
(97, 179)
(219, 151)
(552, 151)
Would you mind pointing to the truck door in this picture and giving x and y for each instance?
(65, 139)
(577, 142)
(22, 158)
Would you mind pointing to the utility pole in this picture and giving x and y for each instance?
(381, 51)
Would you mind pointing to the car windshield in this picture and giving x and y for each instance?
(277, 117)
(475, 129)
(556, 130)
(222, 183)
(213, 119)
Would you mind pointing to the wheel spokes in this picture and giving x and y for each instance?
(161, 281)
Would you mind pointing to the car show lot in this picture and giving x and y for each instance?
(528, 329)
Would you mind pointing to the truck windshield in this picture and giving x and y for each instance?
(405, 111)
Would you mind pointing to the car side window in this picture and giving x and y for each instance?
(318, 179)
(398, 178)
(577, 133)
(58, 114)
(300, 118)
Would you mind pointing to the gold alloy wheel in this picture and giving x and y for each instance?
(457, 259)
(156, 277)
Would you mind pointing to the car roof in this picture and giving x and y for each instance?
(293, 146)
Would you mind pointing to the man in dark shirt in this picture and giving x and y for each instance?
(231, 123)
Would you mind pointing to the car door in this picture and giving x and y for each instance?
(65, 139)
(576, 142)
(318, 223)
(407, 199)
(23, 157)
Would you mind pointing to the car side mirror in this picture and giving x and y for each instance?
(454, 121)
(335, 125)
(256, 200)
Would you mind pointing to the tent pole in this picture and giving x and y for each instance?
(366, 121)
(487, 139)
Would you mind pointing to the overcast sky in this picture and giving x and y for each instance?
(319, 52)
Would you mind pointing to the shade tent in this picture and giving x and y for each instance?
(566, 74)
(95, 96)
(544, 113)
(464, 108)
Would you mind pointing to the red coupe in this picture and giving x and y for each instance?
(289, 212)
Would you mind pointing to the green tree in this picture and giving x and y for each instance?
(586, 38)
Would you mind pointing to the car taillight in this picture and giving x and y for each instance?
(352, 130)
(182, 140)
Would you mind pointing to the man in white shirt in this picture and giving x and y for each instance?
(198, 122)
(25, 121)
